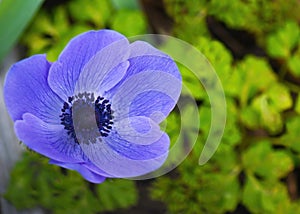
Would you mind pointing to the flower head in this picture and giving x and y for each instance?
(96, 109)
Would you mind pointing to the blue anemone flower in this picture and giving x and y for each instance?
(96, 109)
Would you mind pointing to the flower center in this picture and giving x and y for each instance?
(86, 118)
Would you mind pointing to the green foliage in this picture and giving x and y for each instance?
(129, 4)
(212, 188)
(284, 44)
(257, 16)
(260, 145)
(193, 85)
(294, 64)
(297, 106)
(96, 12)
(36, 183)
(52, 30)
(129, 22)
(260, 159)
(267, 197)
(281, 43)
(291, 138)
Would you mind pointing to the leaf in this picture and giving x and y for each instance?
(233, 13)
(34, 182)
(191, 84)
(205, 119)
(270, 117)
(228, 192)
(128, 4)
(51, 32)
(250, 117)
(284, 40)
(279, 97)
(117, 193)
(129, 22)
(232, 134)
(297, 106)
(260, 159)
(294, 64)
(221, 60)
(199, 189)
(248, 84)
(265, 196)
(97, 12)
(291, 137)
(14, 17)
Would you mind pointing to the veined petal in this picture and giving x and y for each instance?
(49, 140)
(26, 90)
(113, 77)
(137, 130)
(135, 151)
(138, 94)
(108, 67)
(154, 60)
(81, 168)
(153, 104)
(99, 67)
(121, 159)
(65, 72)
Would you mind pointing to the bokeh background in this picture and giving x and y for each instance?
(254, 46)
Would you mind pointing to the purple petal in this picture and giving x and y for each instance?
(153, 104)
(108, 67)
(113, 77)
(99, 68)
(140, 48)
(138, 130)
(26, 90)
(120, 158)
(49, 140)
(144, 93)
(135, 151)
(64, 73)
(85, 172)
(150, 62)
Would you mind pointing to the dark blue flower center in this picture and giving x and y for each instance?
(86, 118)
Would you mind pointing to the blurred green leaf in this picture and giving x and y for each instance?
(117, 194)
(191, 84)
(248, 84)
(129, 22)
(221, 60)
(51, 33)
(265, 196)
(205, 119)
(294, 63)
(97, 12)
(232, 133)
(279, 97)
(297, 106)
(235, 12)
(291, 137)
(270, 117)
(14, 17)
(250, 117)
(128, 4)
(267, 163)
(284, 40)
(37, 183)
(211, 188)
